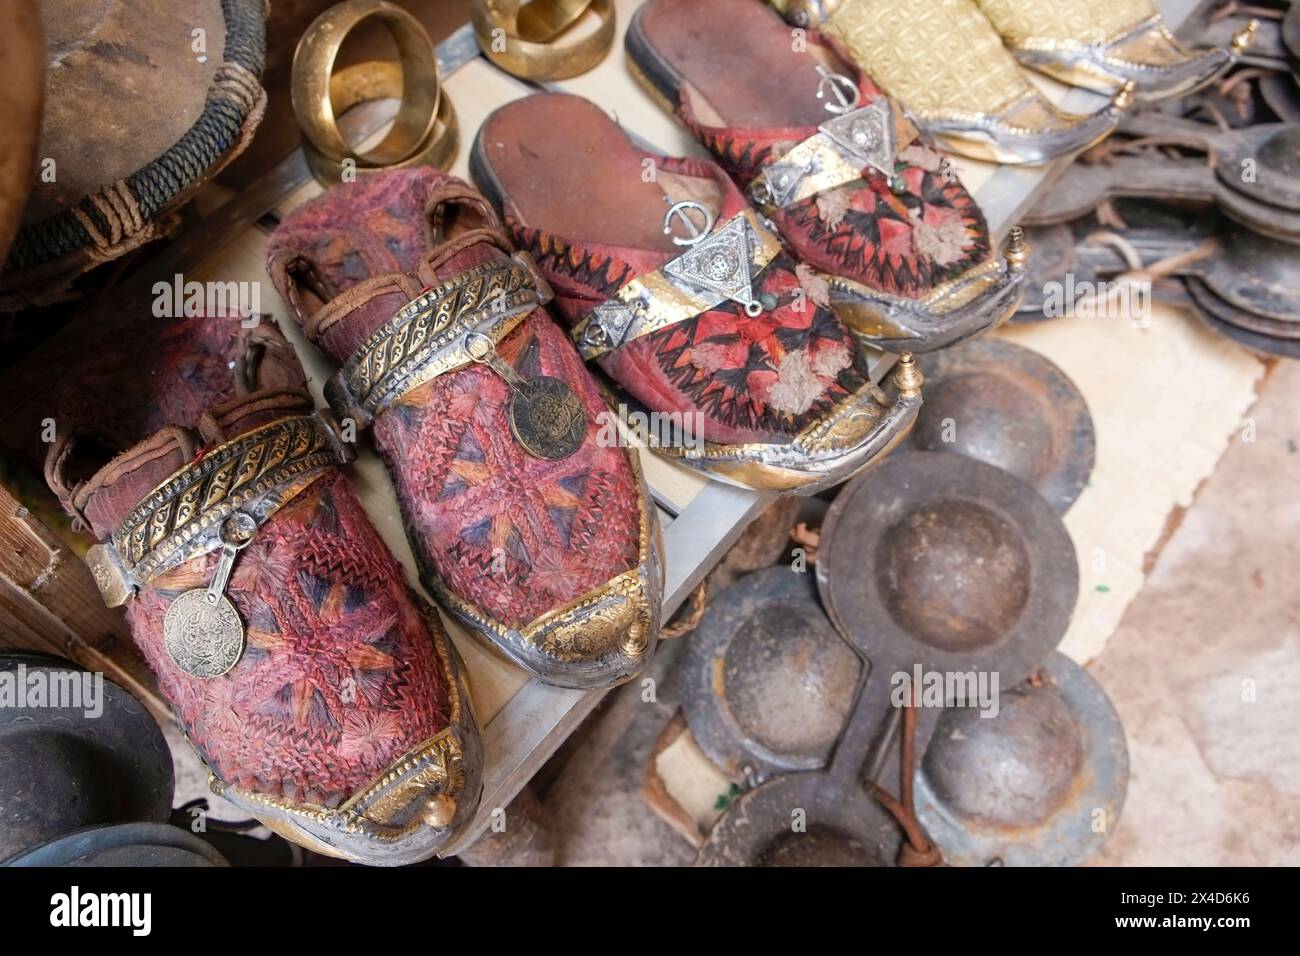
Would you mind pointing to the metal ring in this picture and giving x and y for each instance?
(495, 25)
(541, 21)
(837, 83)
(313, 68)
(382, 79)
(472, 337)
(237, 530)
(678, 210)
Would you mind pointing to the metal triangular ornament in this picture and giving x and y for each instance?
(609, 323)
(867, 134)
(782, 180)
(719, 263)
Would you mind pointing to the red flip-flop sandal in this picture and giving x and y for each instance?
(688, 300)
(836, 166)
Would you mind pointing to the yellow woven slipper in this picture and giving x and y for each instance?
(946, 63)
(1103, 44)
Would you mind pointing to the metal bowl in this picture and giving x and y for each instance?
(124, 844)
(1042, 783)
(98, 762)
(767, 682)
(944, 561)
(1228, 320)
(1010, 407)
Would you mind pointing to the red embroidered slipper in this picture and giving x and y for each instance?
(323, 696)
(688, 300)
(527, 524)
(836, 166)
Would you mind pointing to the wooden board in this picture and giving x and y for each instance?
(49, 603)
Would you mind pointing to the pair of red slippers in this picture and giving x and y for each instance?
(742, 291)
(317, 687)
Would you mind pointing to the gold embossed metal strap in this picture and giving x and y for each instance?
(835, 155)
(426, 337)
(256, 473)
(722, 266)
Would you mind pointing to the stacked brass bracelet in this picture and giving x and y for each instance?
(533, 40)
(424, 132)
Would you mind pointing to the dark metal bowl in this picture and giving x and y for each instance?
(945, 561)
(1226, 319)
(1042, 783)
(124, 844)
(88, 769)
(767, 682)
(1010, 407)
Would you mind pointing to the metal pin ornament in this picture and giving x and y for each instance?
(838, 84)
(202, 630)
(545, 415)
(716, 260)
(858, 135)
(678, 211)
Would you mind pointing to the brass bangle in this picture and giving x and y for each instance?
(419, 90)
(495, 24)
(377, 80)
(541, 21)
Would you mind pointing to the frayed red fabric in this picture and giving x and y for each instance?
(516, 536)
(760, 379)
(175, 383)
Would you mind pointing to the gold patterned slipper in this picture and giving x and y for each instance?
(1102, 45)
(946, 63)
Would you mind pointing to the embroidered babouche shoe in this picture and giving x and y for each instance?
(944, 62)
(837, 167)
(685, 297)
(527, 520)
(322, 695)
(1102, 45)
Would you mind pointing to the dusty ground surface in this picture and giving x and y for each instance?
(1205, 665)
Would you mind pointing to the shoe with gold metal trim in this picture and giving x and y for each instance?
(683, 294)
(321, 693)
(528, 518)
(944, 62)
(838, 168)
(1103, 45)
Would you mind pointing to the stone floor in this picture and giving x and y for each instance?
(1203, 671)
(1205, 666)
